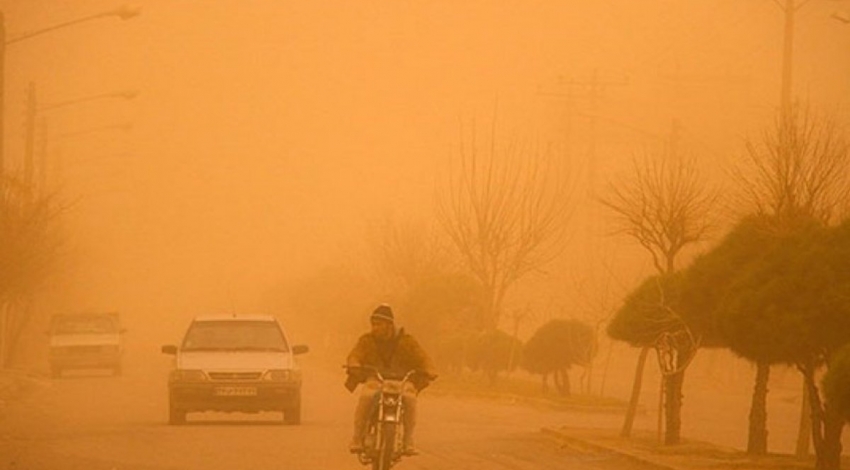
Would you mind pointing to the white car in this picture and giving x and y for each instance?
(85, 341)
(231, 363)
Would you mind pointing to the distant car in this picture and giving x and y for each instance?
(85, 341)
(235, 363)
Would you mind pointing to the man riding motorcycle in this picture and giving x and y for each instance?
(386, 348)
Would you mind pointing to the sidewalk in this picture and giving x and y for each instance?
(17, 383)
(644, 448)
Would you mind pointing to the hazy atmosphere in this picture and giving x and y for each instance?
(308, 160)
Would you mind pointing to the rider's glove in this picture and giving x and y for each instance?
(355, 377)
(351, 382)
(420, 381)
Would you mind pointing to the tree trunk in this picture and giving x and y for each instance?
(673, 407)
(633, 401)
(562, 382)
(833, 424)
(4, 327)
(826, 426)
(17, 322)
(804, 432)
(757, 440)
(605, 370)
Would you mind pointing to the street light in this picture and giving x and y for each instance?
(124, 13)
(31, 115)
(125, 94)
(841, 16)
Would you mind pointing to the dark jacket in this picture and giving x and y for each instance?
(398, 354)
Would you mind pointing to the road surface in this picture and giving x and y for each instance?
(94, 421)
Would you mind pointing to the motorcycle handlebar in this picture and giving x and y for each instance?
(385, 374)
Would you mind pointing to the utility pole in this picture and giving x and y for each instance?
(2, 88)
(785, 113)
(41, 150)
(790, 10)
(29, 147)
(124, 13)
(594, 90)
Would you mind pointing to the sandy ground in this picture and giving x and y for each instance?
(92, 421)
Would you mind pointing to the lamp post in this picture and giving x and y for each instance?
(123, 12)
(125, 94)
(787, 55)
(33, 110)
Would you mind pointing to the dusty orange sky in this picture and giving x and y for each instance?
(267, 133)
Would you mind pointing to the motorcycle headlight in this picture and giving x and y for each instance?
(278, 375)
(390, 400)
(188, 375)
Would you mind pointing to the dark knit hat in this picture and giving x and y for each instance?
(383, 312)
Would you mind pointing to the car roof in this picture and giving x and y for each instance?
(235, 317)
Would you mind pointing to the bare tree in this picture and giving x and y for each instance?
(505, 208)
(800, 168)
(664, 205)
(403, 253)
(798, 171)
(28, 247)
(596, 297)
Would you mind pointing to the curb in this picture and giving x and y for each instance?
(701, 455)
(584, 445)
(543, 402)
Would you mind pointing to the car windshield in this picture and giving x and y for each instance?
(234, 335)
(83, 325)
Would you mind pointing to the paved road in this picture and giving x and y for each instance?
(92, 421)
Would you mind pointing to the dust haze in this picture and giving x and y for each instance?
(266, 140)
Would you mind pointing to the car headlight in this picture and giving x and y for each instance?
(279, 375)
(187, 375)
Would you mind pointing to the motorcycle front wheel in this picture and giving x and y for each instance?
(386, 447)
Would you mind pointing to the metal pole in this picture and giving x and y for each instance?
(125, 13)
(126, 94)
(2, 90)
(41, 148)
(787, 59)
(29, 148)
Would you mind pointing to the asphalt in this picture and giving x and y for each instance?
(17, 383)
(641, 447)
(646, 449)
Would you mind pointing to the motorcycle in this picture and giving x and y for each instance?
(383, 438)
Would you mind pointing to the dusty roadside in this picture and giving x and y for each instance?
(600, 434)
(644, 448)
(16, 384)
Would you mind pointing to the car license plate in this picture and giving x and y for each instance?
(235, 391)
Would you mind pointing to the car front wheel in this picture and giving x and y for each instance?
(176, 415)
(292, 413)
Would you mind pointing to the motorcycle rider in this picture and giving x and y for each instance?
(386, 348)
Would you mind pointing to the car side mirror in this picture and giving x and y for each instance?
(170, 349)
(300, 349)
